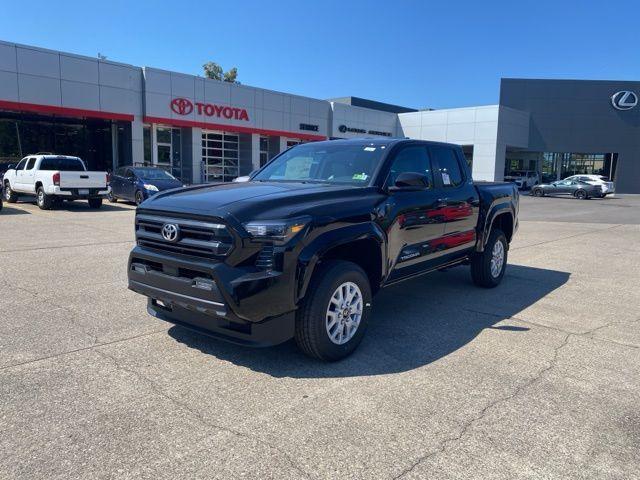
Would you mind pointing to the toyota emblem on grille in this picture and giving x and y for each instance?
(170, 232)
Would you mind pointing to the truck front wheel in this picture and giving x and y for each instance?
(44, 201)
(334, 314)
(487, 268)
(9, 195)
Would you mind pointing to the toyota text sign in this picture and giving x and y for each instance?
(184, 106)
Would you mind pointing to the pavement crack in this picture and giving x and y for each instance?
(195, 413)
(552, 363)
(76, 350)
(472, 421)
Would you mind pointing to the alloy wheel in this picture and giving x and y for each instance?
(497, 259)
(344, 313)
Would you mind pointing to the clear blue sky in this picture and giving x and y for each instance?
(414, 53)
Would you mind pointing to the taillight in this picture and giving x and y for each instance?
(56, 179)
(108, 178)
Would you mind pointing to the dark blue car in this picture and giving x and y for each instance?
(136, 184)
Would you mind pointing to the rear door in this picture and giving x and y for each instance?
(116, 182)
(566, 187)
(415, 221)
(459, 197)
(129, 184)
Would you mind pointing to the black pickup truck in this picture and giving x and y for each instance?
(301, 249)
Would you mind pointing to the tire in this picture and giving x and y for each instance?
(482, 271)
(111, 197)
(312, 334)
(95, 203)
(581, 195)
(139, 197)
(9, 195)
(0, 204)
(44, 201)
(538, 192)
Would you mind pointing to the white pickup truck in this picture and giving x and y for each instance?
(53, 178)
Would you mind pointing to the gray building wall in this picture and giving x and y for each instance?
(365, 119)
(576, 116)
(489, 129)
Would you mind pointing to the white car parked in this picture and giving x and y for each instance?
(523, 178)
(54, 178)
(608, 188)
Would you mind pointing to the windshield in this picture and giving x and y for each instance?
(153, 174)
(325, 163)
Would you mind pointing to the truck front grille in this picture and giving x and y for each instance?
(197, 238)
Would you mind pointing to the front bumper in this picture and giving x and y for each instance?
(239, 304)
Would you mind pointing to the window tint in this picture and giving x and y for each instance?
(413, 159)
(31, 163)
(64, 164)
(448, 166)
(20, 166)
(120, 172)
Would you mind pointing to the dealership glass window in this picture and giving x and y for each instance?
(22, 134)
(220, 154)
(293, 143)
(168, 145)
(264, 150)
(146, 143)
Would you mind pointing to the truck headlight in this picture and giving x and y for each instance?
(276, 230)
(151, 188)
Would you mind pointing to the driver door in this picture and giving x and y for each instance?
(414, 220)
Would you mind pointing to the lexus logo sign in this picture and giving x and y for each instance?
(624, 100)
(181, 106)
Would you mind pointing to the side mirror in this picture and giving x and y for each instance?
(410, 181)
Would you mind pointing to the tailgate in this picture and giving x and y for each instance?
(83, 180)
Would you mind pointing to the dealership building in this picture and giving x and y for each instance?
(113, 114)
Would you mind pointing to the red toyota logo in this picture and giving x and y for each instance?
(181, 106)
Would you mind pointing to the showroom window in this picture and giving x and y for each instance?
(220, 154)
(146, 143)
(264, 150)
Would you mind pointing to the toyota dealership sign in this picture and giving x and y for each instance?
(184, 106)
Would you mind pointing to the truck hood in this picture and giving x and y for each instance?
(266, 200)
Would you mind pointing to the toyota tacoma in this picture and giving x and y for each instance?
(301, 248)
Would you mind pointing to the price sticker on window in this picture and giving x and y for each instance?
(446, 179)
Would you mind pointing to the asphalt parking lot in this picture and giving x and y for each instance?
(538, 378)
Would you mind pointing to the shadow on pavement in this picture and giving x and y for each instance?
(413, 324)
(7, 210)
(80, 206)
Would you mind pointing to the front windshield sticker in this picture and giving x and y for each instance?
(360, 176)
(369, 149)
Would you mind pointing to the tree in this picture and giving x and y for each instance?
(231, 75)
(215, 72)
